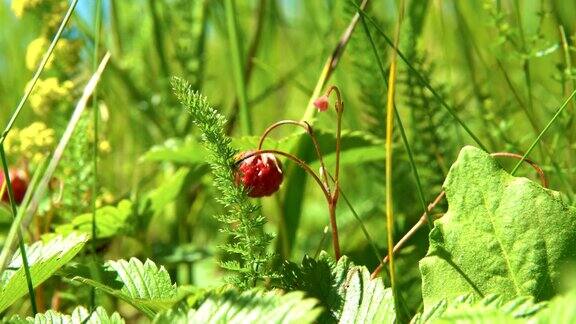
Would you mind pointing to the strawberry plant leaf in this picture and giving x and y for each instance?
(247, 307)
(345, 291)
(560, 310)
(501, 235)
(44, 259)
(143, 285)
(80, 315)
(490, 309)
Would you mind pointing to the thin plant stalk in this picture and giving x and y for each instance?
(310, 131)
(38, 72)
(237, 68)
(95, 117)
(539, 137)
(389, 150)
(14, 210)
(332, 62)
(423, 80)
(400, 125)
(331, 195)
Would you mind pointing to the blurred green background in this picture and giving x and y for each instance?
(504, 66)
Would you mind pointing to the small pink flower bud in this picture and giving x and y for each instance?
(322, 103)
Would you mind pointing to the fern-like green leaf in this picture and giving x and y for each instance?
(80, 315)
(250, 306)
(44, 259)
(143, 285)
(244, 222)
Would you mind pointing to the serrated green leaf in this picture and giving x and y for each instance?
(345, 291)
(80, 315)
(560, 310)
(366, 300)
(247, 307)
(144, 285)
(490, 309)
(501, 235)
(44, 259)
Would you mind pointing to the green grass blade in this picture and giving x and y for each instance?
(95, 116)
(422, 79)
(20, 236)
(400, 125)
(539, 137)
(237, 67)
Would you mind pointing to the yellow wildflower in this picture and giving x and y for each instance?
(104, 146)
(32, 142)
(19, 6)
(66, 51)
(49, 93)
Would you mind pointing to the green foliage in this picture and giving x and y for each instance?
(44, 260)
(187, 151)
(345, 291)
(501, 235)
(242, 221)
(559, 310)
(490, 309)
(80, 315)
(247, 307)
(498, 67)
(143, 285)
(110, 222)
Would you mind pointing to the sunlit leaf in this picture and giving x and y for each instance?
(501, 235)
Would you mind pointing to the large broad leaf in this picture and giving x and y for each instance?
(491, 309)
(247, 307)
(346, 292)
(44, 259)
(80, 315)
(501, 235)
(144, 285)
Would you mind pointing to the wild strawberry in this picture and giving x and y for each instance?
(260, 174)
(19, 180)
(322, 103)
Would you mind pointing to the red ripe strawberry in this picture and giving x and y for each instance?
(260, 174)
(19, 180)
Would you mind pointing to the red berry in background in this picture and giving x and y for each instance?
(322, 103)
(260, 174)
(19, 180)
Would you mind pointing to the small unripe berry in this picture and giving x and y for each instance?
(322, 103)
(19, 180)
(260, 174)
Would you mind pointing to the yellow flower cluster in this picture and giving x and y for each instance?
(31, 143)
(55, 10)
(48, 93)
(67, 51)
(20, 6)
